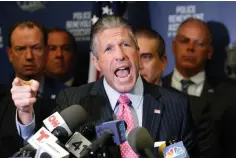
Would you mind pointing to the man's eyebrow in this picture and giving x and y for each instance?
(146, 53)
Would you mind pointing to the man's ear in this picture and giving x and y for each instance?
(9, 53)
(95, 62)
(164, 62)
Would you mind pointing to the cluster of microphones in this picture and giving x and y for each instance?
(69, 134)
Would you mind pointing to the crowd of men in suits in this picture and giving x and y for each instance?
(193, 108)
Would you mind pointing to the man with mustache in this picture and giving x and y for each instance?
(124, 94)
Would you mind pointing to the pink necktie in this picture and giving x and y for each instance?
(126, 115)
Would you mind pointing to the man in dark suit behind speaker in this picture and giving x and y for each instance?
(192, 48)
(152, 65)
(62, 57)
(27, 51)
(152, 55)
(164, 113)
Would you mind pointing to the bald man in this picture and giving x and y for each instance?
(192, 48)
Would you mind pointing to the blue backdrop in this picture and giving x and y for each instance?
(164, 17)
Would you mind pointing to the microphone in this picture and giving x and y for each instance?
(72, 118)
(160, 150)
(45, 155)
(51, 149)
(108, 134)
(27, 151)
(61, 134)
(42, 135)
(77, 144)
(174, 149)
(88, 131)
(60, 125)
(114, 128)
(69, 119)
(141, 142)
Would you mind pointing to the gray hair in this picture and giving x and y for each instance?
(109, 22)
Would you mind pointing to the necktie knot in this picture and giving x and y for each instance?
(124, 99)
(185, 84)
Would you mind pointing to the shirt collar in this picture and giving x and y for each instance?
(197, 79)
(135, 95)
(69, 82)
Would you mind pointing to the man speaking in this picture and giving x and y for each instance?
(123, 93)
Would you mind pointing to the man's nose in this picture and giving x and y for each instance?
(120, 55)
(59, 53)
(191, 46)
(29, 54)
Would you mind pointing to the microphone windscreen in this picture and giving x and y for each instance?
(45, 155)
(88, 131)
(74, 116)
(140, 139)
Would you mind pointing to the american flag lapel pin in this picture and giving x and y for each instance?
(157, 111)
(53, 96)
(211, 90)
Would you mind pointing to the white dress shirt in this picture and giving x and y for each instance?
(135, 96)
(193, 89)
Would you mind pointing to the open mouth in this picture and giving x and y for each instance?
(122, 72)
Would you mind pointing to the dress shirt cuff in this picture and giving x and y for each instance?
(25, 131)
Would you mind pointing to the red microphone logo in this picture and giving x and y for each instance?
(42, 136)
(53, 120)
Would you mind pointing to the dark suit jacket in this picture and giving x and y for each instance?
(203, 118)
(10, 141)
(225, 116)
(174, 121)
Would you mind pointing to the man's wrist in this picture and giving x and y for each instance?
(25, 117)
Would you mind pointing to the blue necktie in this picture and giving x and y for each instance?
(185, 85)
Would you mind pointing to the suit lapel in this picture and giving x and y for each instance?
(152, 109)
(48, 91)
(45, 103)
(207, 91)
(197, 105)
(98, 106)
(97, 103)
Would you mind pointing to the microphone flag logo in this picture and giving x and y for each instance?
(176, 150)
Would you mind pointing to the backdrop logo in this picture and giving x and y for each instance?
(31, 6)
(80, 25)
(181, 14)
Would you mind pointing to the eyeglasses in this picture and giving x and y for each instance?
(36, 50)
(197, 43)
